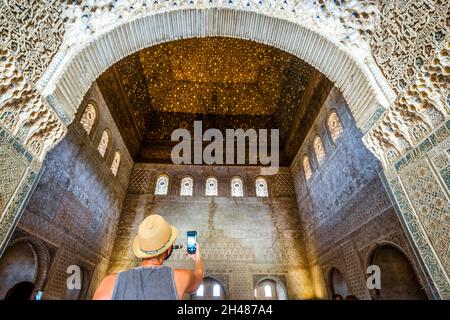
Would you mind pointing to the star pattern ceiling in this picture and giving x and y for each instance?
(226, 82)
(216, 76)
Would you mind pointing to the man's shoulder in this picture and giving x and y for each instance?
(183, 278)
(106, 287)
(110, 279)
(182, 272)
(112, 275)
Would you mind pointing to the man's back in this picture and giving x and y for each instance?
(145, 283)
(183, 281)
(152, 281)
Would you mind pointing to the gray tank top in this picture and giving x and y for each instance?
(145, 283)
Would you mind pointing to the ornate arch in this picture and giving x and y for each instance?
(333, 137)
(244, 187)
(93, 128)
(268, 188)
(222, 282)
(204, 186)
(398, 246)
(103, 148)
(180, 183)
(329, 277)
(42, 257)
(278, 281)
(84, 55)
(169, 182)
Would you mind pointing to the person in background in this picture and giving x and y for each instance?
(152, 280)
(337, 297)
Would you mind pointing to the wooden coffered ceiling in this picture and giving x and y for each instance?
(225, 82)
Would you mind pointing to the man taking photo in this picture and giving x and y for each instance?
(152, 280)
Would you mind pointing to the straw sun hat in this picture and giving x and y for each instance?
(154, 237)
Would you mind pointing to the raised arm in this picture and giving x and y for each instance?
(199, 270)
(188, 281)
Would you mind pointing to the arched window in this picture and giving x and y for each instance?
(162, 185)
(104, 143)
(338, 283)
(267, 291)
(115, 163)
(187, 186)
(270, 289)
(237, 187)
(211, 187)
(216, 290)
(307, 168)
(261, 187)
(318, 149)
(210, 289)
(334, 126)
(200, 291)
(88, 118)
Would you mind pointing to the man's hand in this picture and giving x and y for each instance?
(196, 257)
(196, 275)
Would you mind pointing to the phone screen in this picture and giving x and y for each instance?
(191, 242)
(38, 295)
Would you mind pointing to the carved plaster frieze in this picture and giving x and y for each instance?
(349, 22)
(422, 107)
(23, 112)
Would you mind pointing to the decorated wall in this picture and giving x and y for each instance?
(74, 209)
(242, 239)
(420, 186)
(344, 206)
(392, 71)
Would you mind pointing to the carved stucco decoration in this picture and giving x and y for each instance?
(349, 25)
(422, 107)
(407, 35)
(333, 37)
(356, 25)
(23, 111)
(32, 31)
(349, 22)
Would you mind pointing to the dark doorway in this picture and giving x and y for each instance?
(21, 291)
(398, 279)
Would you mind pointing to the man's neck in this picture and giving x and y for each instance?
(151, 263)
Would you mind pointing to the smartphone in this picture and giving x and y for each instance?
(191, 242)
(39, 295)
